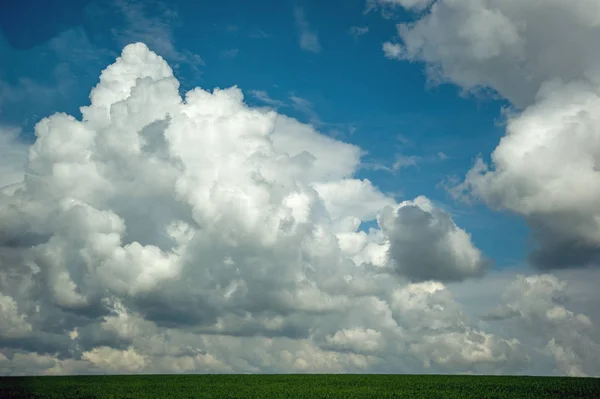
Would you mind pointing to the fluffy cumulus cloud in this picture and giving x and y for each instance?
(544, 57)
(446, 338)
(547, 168)
(197, 234)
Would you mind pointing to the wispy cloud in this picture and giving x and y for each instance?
(386, 7)
(263, 96)
(401, 161)
(258, 34)
(27, 90)
(71, 58)
(358, 31)
(154, 30)
(230, 54)
(305, 107)
(309, 39)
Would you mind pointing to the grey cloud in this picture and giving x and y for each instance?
(446, 254)
(511, 47)
(570, 338)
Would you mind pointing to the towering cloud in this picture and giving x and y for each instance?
(544, 57)
(162, 233)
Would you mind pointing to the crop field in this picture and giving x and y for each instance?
(298, 386)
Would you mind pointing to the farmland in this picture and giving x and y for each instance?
(298, 386)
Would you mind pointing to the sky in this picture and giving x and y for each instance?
(366, 186)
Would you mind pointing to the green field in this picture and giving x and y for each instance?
(298, 386)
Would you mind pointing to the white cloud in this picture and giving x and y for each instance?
(308, 38)
(512, 47)
(321, 158)
(546, 167)
(401, 161)
(349, 201)
(447, 339)
(357, 340)
(12, 323)
(115, 360)
(80, 53)
(392, 50)
(199, 234)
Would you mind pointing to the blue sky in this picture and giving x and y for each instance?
(345, 87)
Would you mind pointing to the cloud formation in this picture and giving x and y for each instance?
(168, 212)
(511, 47)
(264, 97)
(358, 31)
(197, 234)
(425, 244)
(308, 37)
(537, 303)
(152, 22)
(544, 58)
(388, 7)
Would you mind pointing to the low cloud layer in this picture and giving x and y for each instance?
(537, 304)
(544, 58)
(197, 234)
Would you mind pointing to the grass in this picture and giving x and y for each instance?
(298, 386)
